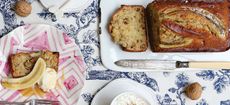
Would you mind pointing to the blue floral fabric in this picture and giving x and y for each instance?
(80, 28)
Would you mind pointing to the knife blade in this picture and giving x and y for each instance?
(170, 64)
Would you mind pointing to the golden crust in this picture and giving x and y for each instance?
(206, 24)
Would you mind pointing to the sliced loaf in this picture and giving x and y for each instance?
(23, 63)
(127, 28)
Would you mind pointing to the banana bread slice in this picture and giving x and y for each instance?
(195, 26)
(22, 63)
(51, 59)
(127, 28)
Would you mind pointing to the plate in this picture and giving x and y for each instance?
(118, 86)
(65, 5)
(111, 52)
(71, 73)
(50, 3)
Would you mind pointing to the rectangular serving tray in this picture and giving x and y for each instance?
(111, 52)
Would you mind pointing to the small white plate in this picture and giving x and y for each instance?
(49, 3)
(118, 86)
(111, 52)
(65, 5)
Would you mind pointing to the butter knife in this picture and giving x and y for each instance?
(170, 65)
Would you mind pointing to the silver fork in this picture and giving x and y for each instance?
(32, 102)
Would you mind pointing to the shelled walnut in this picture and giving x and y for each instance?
(194, 91)
(23, 8)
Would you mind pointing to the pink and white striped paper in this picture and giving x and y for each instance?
(71, 73)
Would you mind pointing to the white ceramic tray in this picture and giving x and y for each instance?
(111, 52)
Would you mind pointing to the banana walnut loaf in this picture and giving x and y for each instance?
(188, 27)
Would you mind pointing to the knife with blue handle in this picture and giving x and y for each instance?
(170, 65)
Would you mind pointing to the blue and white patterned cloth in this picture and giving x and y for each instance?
(83, 25)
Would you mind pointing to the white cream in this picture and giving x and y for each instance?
(128, 98)
(49, 80)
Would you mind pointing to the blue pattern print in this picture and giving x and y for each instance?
(9, 16)
(140, 77)
(166, 100)
(181, 82)
(83, 20)
(227, 102)
(202, 102)
(89, 44)
(7, 12)
(45, 14)
(91, 37)
(206, 75)
(87, 52)
(87, 97)
(221, 78)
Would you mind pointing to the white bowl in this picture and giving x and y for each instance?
(127, 98)
(116, 87)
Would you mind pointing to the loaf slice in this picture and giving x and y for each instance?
(23, 63)
(51, 59)
(127, 28)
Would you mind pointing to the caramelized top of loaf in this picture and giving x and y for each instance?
(192, 26)
(128, 29)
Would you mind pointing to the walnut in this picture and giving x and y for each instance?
(194, 91)
(23, 8)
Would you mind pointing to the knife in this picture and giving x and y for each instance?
(170, 65)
